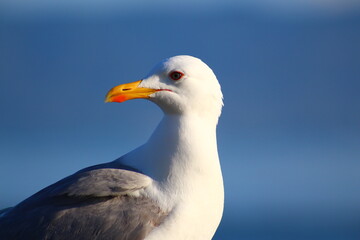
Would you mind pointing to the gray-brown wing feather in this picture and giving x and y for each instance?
(95, 203)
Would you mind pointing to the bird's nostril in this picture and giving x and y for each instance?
(126, 89)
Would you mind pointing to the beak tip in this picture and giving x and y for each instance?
(107, 99)
(127, 91)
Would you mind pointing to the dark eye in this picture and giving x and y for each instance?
(176, 75)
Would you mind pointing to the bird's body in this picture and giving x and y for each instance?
(169, 188)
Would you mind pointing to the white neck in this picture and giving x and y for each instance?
(180, 145)
(181, 156)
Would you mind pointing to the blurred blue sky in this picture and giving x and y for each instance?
(39, 6)
(289, 135)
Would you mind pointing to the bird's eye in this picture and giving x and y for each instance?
(176, 75)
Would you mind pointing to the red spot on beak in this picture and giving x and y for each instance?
(119, 98)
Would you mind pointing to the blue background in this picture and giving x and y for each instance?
(289, 135)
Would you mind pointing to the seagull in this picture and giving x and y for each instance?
(171, 187)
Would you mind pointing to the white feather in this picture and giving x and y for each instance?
(181, 155)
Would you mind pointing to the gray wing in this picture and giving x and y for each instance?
(94, 203)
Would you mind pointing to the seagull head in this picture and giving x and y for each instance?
(178, 85)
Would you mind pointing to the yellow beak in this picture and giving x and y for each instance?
(128, 91)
